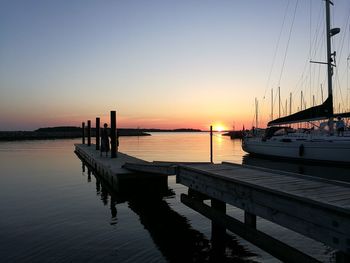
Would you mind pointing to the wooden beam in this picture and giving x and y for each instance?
(151, 168)
(302, 215)
(269, 244)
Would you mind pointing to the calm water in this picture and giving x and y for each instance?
(54, 210)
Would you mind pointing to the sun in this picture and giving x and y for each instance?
(219, 127)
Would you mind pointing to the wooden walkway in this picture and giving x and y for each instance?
(314, 207)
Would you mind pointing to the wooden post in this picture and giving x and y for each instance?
(271, 245)
(250, 219)
(113, 135)
(211, 143)
(89, 176)
(218, 232)
(97, 133)
(89, 132)
(83, 132)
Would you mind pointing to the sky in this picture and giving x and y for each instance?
(163, 63)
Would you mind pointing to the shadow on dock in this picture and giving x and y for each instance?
(171, 232)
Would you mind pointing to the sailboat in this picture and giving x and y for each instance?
(321, 146)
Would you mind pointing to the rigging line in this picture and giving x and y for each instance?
(338, 87)
(290, 34)
(317, 44)
(342, 41)
(314, 46)
(343, 37)
(341, 100)
(318, 35)
(276, 48)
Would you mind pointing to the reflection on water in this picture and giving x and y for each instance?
(182, 147)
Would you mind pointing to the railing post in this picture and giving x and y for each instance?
(113, 135)
(218, 232)
(83, 132)
(97, 133)
(250, 219)
(89, 132)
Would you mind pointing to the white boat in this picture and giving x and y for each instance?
(321, 145)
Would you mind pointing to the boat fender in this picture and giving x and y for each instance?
(301, 149)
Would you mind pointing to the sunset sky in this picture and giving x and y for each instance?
(163, 63)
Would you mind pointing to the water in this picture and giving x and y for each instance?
(53, 210)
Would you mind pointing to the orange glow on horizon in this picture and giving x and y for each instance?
(219, 127)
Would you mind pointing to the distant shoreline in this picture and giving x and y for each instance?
(68, 132)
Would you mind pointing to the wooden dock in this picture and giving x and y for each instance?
(314, 207)
(111, 169)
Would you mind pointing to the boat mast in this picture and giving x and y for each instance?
(279, 102)
(329, 52)
(290, 103)
(330, 32)
(271, 104)
(256, 113)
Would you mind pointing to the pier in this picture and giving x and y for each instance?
(316, 208)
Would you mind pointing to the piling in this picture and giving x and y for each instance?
(250, 219)
(97, 133)
(113, 135)
(89, 132)
(83, 132)
(218, 231)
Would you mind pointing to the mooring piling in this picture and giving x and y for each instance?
(250, 219)
(83, 132)
(113, 134)
(89, 132)
(97, 133)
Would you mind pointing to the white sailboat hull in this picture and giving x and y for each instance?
(330, 150)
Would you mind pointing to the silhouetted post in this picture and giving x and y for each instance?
(83, 132)
(89, 132)
(250, 219)
(211, 144)
(97, 133)
(113, 135)
(218, 232)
